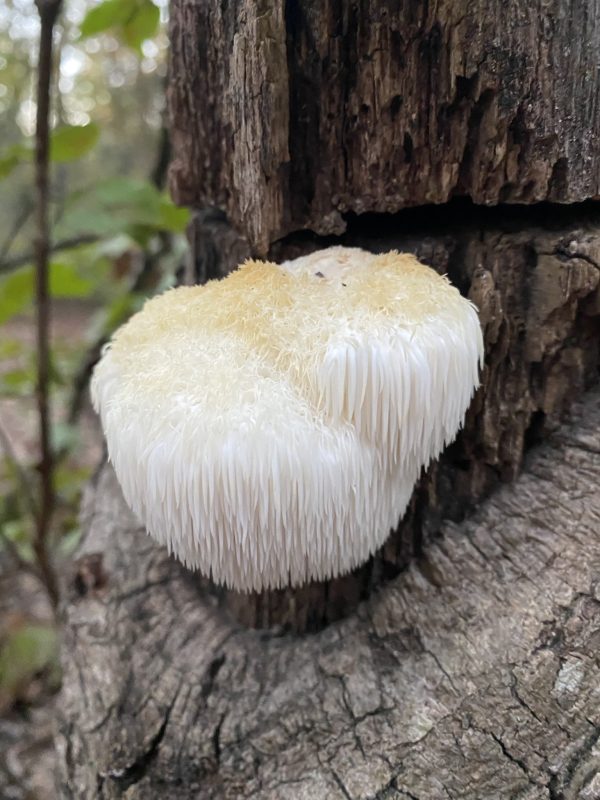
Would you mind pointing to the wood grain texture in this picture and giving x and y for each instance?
(289, 115)
(473, 674)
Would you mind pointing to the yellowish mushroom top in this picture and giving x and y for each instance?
(292, 318)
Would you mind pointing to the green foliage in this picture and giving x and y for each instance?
(12, 157)
(70, 142)
(132, 20)
(66, 282)
(137, 246)
(16, 293)
(17, 382)
(142, 24)
(67, 143)
(10, 348)
(18, 531)
(122, 206)
(17, 288)
(28, 650)
(104, 16)
(65, 437)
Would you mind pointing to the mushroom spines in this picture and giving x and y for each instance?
(269, 428)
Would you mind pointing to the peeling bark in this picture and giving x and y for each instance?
(473, 674)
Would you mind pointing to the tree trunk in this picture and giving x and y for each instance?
(471, 672)
(296, 115)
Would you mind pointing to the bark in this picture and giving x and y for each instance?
(473, 674)
(294, 115)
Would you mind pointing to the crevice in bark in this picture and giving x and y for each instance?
(133, 773)
(459, 213)
(448, 101)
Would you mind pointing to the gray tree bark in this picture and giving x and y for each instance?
(474, 674)
(461, 660)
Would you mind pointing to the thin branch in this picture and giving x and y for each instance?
(17, 226)
(48, 11)
(64, 244)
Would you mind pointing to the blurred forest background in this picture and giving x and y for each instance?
(115, 238)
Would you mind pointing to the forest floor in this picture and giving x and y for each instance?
(27, 757)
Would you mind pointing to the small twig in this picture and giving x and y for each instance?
(16, 228)
(64, 244)
(48, 11)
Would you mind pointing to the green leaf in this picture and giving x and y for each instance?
(106, 15)
(65, 281)
(17, 382)
(27, 651)
(133, 20)
(16, 293)
(142, 25)
(7, 163)
(11, 348)
(19, 533)
(122, 205)
(70, 142)
(17, 288)
(69, 480)
(88, 219)
(117, 192)
(54, 373)
(172, 218)
(12, 157)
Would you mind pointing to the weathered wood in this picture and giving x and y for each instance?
(474, 674)
(290, 115)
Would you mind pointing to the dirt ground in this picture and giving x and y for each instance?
(26, 727)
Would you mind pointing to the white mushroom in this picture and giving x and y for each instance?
(269, 428)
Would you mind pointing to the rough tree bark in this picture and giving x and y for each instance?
(292, 114)
(471, 672)
(472, 675)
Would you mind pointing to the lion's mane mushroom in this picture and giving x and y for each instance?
(269, 428)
